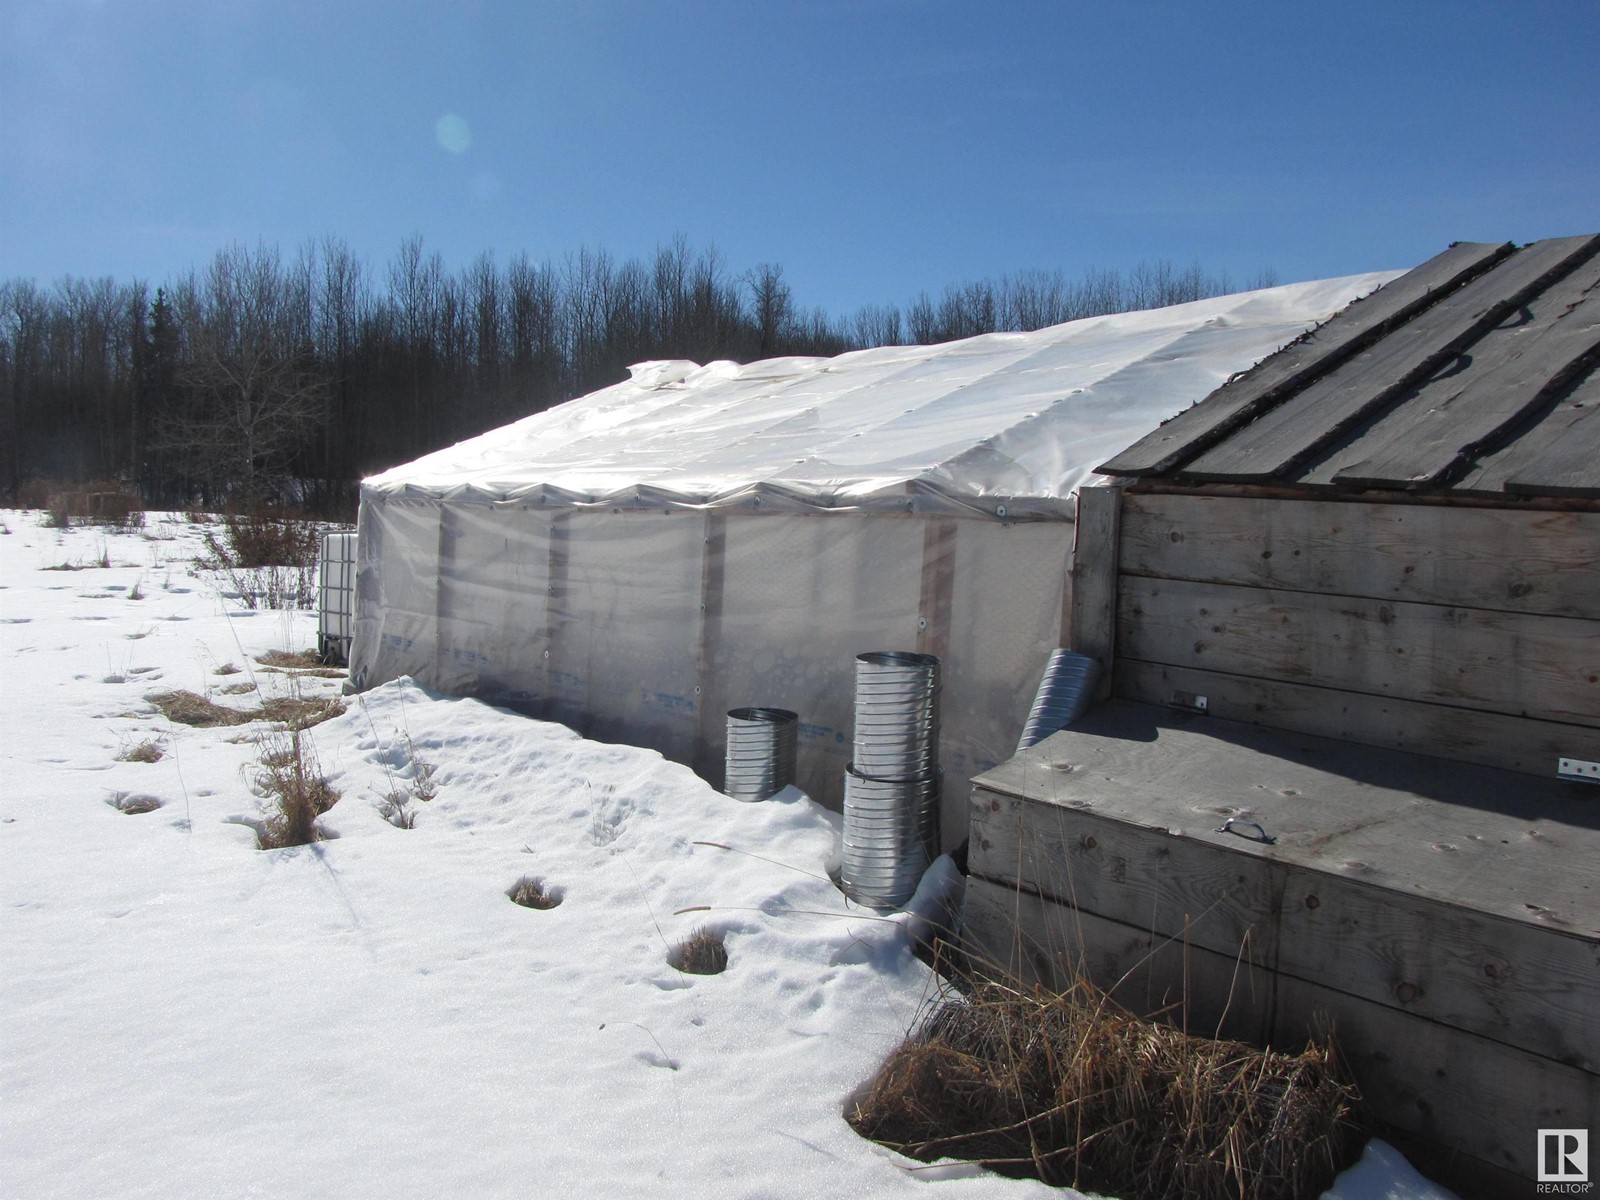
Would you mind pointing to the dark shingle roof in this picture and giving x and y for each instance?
(1477, 373)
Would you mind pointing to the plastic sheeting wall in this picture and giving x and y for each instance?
(646, 626)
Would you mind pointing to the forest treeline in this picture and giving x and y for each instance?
(265, 378)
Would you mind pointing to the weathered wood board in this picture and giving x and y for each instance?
(1295, 365)
(1559, 456)
(1476, 1095)
(1473, 401)
(1534, 666)
(1293, 431)
(1459, 734)
(1502, 559)
(1096, 538)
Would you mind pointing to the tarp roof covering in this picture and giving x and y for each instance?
(1005, 424)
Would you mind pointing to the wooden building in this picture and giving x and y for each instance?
(1349, 607)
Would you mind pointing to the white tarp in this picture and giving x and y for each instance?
(1006, 418)
(638, 561)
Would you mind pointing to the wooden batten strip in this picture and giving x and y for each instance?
(938, 587)
(710, 723)
(1096, 544)
(444, 568)
(1304, 360)
(1565, 459)
(557, 599)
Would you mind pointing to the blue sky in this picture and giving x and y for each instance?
(873, 149)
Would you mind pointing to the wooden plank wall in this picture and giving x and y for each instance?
(1469, 633)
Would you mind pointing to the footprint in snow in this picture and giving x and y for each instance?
(531, 892)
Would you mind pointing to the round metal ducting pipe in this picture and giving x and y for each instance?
(760, 755)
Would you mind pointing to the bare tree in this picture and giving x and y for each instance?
(250, 396)
(875, 326)
(533, 326)
(772, 307)
(233, 381)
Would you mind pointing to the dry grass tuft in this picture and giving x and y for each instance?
(393, 809)
(276, 754)
(296, 660)
(535, 893)
(269, 560)
(302, 672)
(292, 712)
(701, 953)
(227, 669)
(1074, 1090)
(133, 806)
(301, 712)
(148, 751)
(237, 689)
(190, 708)
(423, 787)
(290, 779)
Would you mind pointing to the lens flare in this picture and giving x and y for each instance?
(453, 133)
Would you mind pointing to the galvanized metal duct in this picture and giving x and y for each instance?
(760, 756)
(1065, 694)
(891, 798)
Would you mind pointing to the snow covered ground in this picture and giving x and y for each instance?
(183, 1015)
